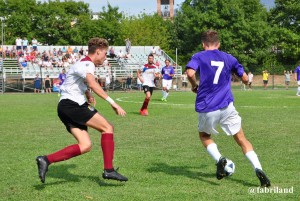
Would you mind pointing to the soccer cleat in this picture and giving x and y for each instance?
(144, 112)
(220, 168)
(264, 181)
(42, 163)
(162, 99)
(114, 175)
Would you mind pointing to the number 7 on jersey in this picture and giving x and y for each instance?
(220, 65)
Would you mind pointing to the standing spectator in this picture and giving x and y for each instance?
(19, 43)
(184, 80)
(250, 77)
(76, 110)
(34, 43)
(297, 78)
(25, 43)
(153, 51)
(112, 52)
(167, 73)
(287, 76)
(37, 84)
(139, 84)
(107, 81)
(128, 45)
(214, 102)
(265, 78)
(48, 84)
(147, 75)
(158, 52)
(128, 83)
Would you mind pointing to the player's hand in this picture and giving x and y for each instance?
(118, 110)
(195, 89)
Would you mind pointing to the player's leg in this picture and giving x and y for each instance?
(84, 145)
(164, 89)
(298, 89)
(252, 157)
(99, 123)
(148, 92)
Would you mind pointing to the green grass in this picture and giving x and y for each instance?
(160, 154)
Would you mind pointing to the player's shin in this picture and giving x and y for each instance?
(252, 157)
(64, 154)
(108, 147)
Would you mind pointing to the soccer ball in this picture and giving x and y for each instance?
(229, 167)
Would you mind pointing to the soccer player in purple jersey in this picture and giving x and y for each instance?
(214, 102)
(167, 73)
(297, 78)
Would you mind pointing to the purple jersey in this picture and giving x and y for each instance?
(215, 68)
(297, 70)
(166, 72)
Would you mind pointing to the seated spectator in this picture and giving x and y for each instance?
(153, 51)
(70, 50)
(158, 52)
(157, 63)
(81, 51)
(112, 53)
(64, 51)
(59, 52)
(75, 50)
(60, 63)
(54, 52)
(120, 55)
(22, 62)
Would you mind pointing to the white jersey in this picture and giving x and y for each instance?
(148, 74)
(250, 78)
(74, 86)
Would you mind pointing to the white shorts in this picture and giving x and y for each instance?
(228, 118)
(167, 83)
(298, 82)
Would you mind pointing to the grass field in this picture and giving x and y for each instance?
(160, 154)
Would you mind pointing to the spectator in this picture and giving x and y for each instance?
(25, 43)
(287, 75)
(34, 43)
(22, 62)
(37, 84)
(139, 84)
(153, 51)
(47, 84)
(59, 52)
(19, 43)
(121, 54)
(184, 80)
(158, 52)
(107, 81)
(75, 50)
(112, 53)
(250, 77)
(128, 83)
(70, 50)
(128, 45)
(265, 78)
(64, 51)
(81, 51)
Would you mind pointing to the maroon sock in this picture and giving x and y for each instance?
(108, 147)
(145, 104)
(64, 154)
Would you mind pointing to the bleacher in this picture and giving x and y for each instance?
(119, 68)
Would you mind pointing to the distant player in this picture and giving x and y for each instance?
(147, 75)
(62, 76)
(76, 110)
(167, 74)
(214, 102)
(250, 77)
(297, 78)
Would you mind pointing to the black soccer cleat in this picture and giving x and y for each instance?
(42, 163)
(264, 180)
(114, 175)
(220, 168)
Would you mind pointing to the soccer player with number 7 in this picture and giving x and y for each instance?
(76, 110)
(214, 101)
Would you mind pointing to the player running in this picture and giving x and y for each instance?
(214, 101)
(297, 78)
(147, 74)
(167, 73)
(76, 110)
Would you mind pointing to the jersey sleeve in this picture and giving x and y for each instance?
(238, 69)
(193, 63)
(172, 70)
(90, 68)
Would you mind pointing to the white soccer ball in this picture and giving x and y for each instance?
(229, 167)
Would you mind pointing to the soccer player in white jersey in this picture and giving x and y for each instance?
(167, 73)
(147, 75)
(76, 110)
(214, 101)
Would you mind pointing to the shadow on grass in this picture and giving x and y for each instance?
(182, 170)
(62, 172)
(186, 171)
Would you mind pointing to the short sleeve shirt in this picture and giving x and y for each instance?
(166, 72)
(74, 86)
(297, 70)
(215, 68)
(148, 74)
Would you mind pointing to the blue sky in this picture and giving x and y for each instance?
(134, 7)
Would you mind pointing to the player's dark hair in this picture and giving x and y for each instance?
(210, 37)
(150, 55)
(167, 60)
(97, 43)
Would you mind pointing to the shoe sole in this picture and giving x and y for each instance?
(109, 178)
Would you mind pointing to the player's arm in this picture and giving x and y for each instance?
(139, 75)
(101, 93)
(192, 79)
(295, 76)
(245, 79)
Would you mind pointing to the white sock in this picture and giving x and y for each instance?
(298, 90)
(252, 157)
(163, 93)
(166, 95)
(213, 151)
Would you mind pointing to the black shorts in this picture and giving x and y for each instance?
(74, 115)
(265, 81)
(147, 88)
